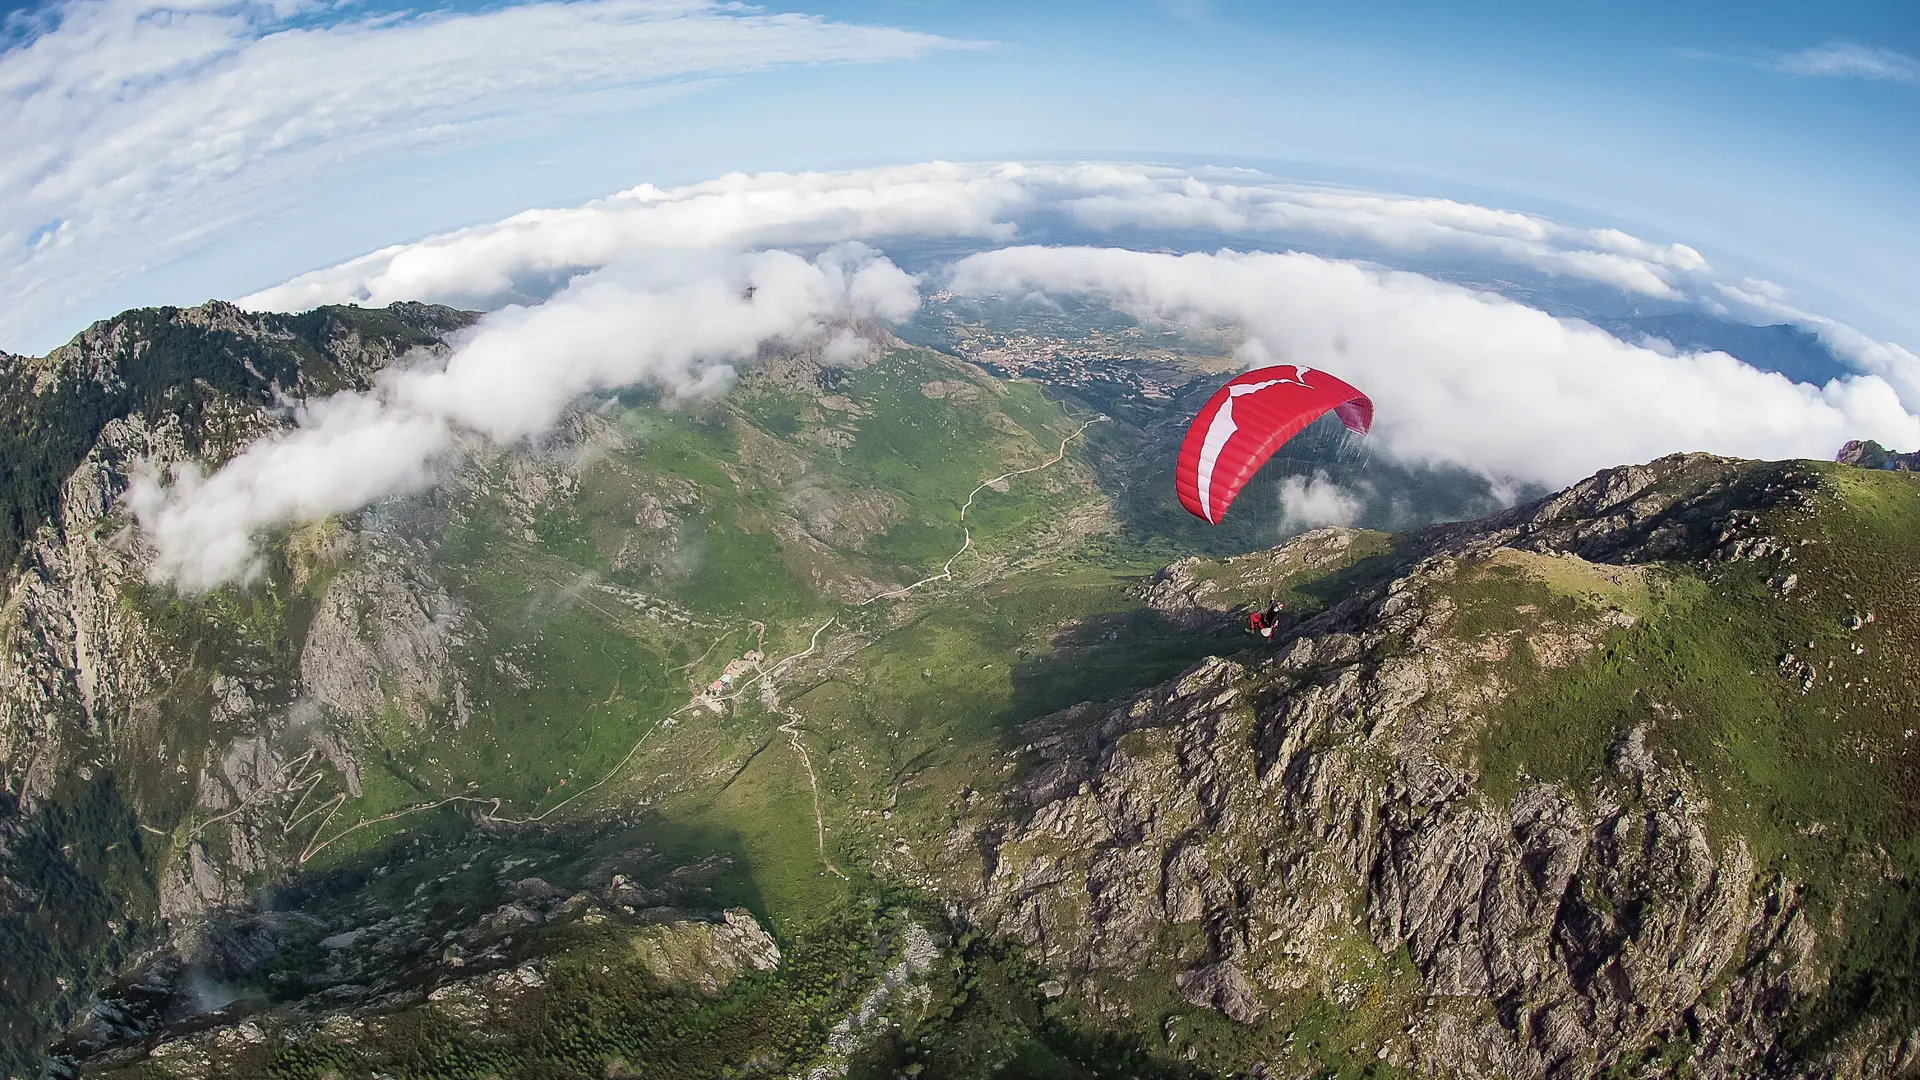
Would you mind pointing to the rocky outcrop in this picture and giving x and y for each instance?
(1871, 455)
(902, 988)
(706, 955)
(1195, 591)
(1230, 837)
(1682, 507)
(384, 633)
(323, 963)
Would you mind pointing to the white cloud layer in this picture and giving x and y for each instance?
(135, 128)
(493, 263)
(1464, 377)
(517, 259)
(680, 326)
(649, 286)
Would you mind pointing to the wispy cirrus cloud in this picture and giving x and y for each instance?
(1834, 60)
(1851, 60)
(135, 129)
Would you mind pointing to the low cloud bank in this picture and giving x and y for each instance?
(1309, 502)
(681, 325)
(1463, 377)
(992, 201)
(648, 286)
(1001, 202)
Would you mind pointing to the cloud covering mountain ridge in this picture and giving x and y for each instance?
(650, 286)
(509, 378)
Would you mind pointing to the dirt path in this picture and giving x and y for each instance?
(792, 729)
(792, 726)
(966, 531)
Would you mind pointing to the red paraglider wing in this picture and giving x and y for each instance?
(1245, 421)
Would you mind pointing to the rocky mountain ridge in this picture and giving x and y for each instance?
(1238, 837)
(169, 761)
(105, 712)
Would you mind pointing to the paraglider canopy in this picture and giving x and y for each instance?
(1248, 419)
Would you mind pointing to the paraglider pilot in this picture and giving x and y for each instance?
(1263, 622)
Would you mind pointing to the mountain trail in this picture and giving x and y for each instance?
(792, 730)
(946, 571)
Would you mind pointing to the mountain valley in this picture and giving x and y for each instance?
(885, 716)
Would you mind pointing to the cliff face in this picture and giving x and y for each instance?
(1331, 821)
(125, 710)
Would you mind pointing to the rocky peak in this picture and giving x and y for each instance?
(1871, 455)
(1675, 507)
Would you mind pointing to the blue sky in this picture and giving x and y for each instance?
(600, 176)
(1781, 140)
(1677, 119)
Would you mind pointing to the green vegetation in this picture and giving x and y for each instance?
(1705, 669)
(1877, 970)
(591, 635)
(994, 1016)
(91, 910)
(989, 1019)
(600, 1014)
